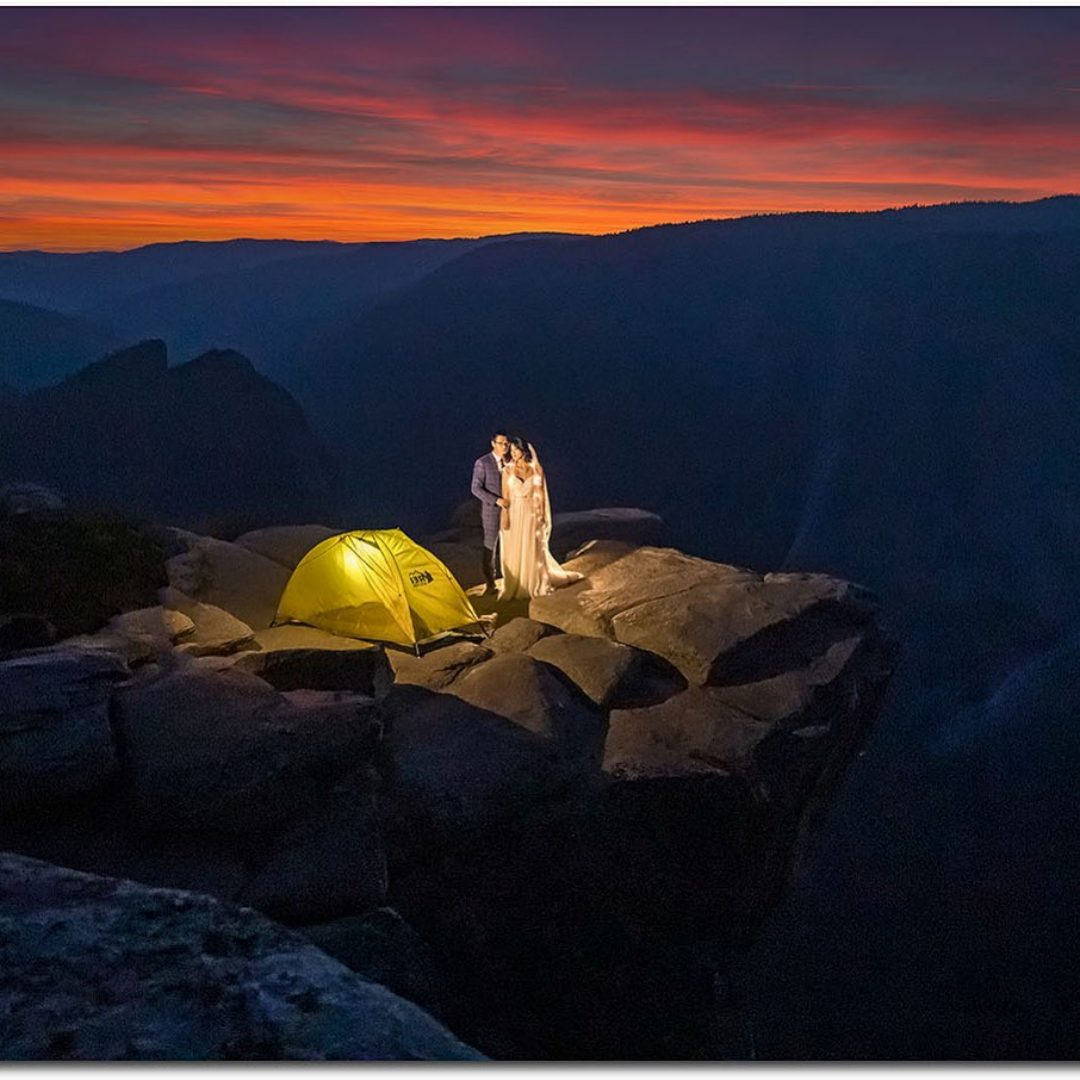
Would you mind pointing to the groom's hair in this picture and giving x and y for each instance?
(500, 431)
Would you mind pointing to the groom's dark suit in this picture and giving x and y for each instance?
(487, 487)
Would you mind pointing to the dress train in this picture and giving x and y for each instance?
(529, 569)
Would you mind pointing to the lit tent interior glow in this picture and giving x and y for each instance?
(378, 585)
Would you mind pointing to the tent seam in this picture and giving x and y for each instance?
(404, 594)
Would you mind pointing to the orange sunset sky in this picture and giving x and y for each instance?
(126, 126)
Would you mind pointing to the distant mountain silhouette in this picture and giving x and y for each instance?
(211, 444)
(39, 346)
(73, 283)
(272, 300)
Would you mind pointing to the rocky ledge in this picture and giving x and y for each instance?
(172, 975)
(559, 839)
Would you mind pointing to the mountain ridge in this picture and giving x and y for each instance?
(38, 344)
(1042, 201)
(210, 442)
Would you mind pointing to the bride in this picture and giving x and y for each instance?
(525, 528)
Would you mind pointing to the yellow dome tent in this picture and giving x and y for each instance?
(377, 584)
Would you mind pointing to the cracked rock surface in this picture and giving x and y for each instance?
(101, 969)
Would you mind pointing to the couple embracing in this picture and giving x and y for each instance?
(516, 512)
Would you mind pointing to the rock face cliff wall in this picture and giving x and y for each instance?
(558, 839)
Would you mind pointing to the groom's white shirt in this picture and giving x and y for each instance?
(498, 461)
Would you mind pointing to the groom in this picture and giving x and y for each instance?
(487, 487)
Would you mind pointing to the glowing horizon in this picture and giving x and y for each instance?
(126, 126)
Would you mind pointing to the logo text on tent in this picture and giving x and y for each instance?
(421, 577)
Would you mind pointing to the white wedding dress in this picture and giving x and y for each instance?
(527, 565)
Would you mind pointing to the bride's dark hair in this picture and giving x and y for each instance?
(522, 445)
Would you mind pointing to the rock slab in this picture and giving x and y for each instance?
(532, 694)
(245, 584)
(285, 544)
(99, 969)
(455, 771)
(383, 947)
(364, 671)
(326, 864)
(440, 667)
(138, 636)
(611, 675)
(214, 632)
(225, 751)
(55, 738)
(717, 624)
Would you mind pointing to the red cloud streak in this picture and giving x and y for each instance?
(125, 126)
